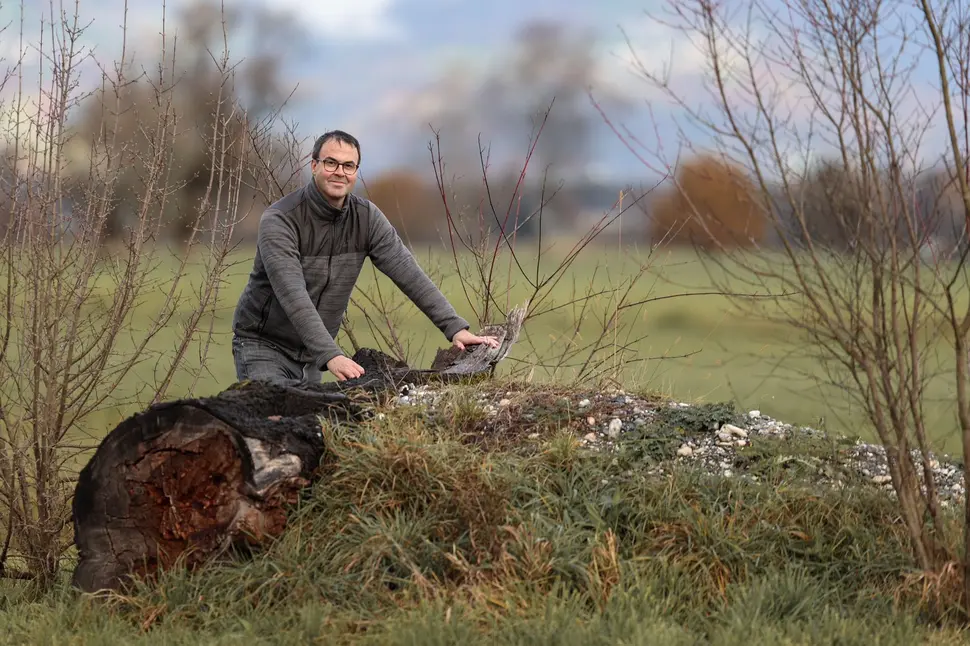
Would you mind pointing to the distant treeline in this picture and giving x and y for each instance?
(707, 203)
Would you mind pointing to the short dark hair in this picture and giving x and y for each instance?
(337, 135)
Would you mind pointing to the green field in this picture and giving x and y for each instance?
(695, 348)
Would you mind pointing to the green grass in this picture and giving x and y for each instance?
(692, 348)
(420, 534)
(695, 348)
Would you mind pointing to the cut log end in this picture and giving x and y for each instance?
(191, 492)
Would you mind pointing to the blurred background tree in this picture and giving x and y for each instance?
(711, 205)
(198, 87)
(410, 203)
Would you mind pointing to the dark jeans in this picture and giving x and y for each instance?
(257, 360)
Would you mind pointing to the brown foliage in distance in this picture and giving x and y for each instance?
(410, 204)
(710, 206)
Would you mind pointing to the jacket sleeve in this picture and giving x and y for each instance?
(395, 260)
(278, 248)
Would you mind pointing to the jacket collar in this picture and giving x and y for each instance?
(321, 207)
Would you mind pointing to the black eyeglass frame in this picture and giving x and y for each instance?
(330, 161)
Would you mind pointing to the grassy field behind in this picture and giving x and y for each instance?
(695, 348)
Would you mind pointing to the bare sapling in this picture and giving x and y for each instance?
(499, 267)
(838, 111)
(111, 279)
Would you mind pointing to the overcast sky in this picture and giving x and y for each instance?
(370, 66)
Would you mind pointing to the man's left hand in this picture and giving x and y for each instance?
(465, 338)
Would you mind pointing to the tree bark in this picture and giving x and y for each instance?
(184, 480)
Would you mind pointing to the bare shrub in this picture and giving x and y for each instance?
(497, 271)
(839, 79)
(80, 325)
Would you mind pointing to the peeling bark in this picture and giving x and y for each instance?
(185, 480)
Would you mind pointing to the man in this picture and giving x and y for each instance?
(310, 249)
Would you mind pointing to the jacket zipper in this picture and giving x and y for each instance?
(264, 315)
(333, 238)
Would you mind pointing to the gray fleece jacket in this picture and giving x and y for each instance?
(308, 258)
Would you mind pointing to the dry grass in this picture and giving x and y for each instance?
(416, 534)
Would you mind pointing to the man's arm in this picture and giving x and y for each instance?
(395, 260)
(277, 243)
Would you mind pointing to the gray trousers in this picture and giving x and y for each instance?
(258, 360)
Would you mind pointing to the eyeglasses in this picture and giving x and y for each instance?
(330, 165)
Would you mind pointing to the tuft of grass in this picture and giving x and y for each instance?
(658, 442)
(803, 459)
(703, 418)
(415, 535)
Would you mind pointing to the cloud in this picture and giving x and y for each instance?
(801, 129)
(343, 20)
(332, 22)
(647, 51)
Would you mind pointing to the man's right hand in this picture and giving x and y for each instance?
(344, 368)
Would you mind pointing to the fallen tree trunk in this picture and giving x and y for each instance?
(185, 480)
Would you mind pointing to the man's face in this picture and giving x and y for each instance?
(330, 170)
